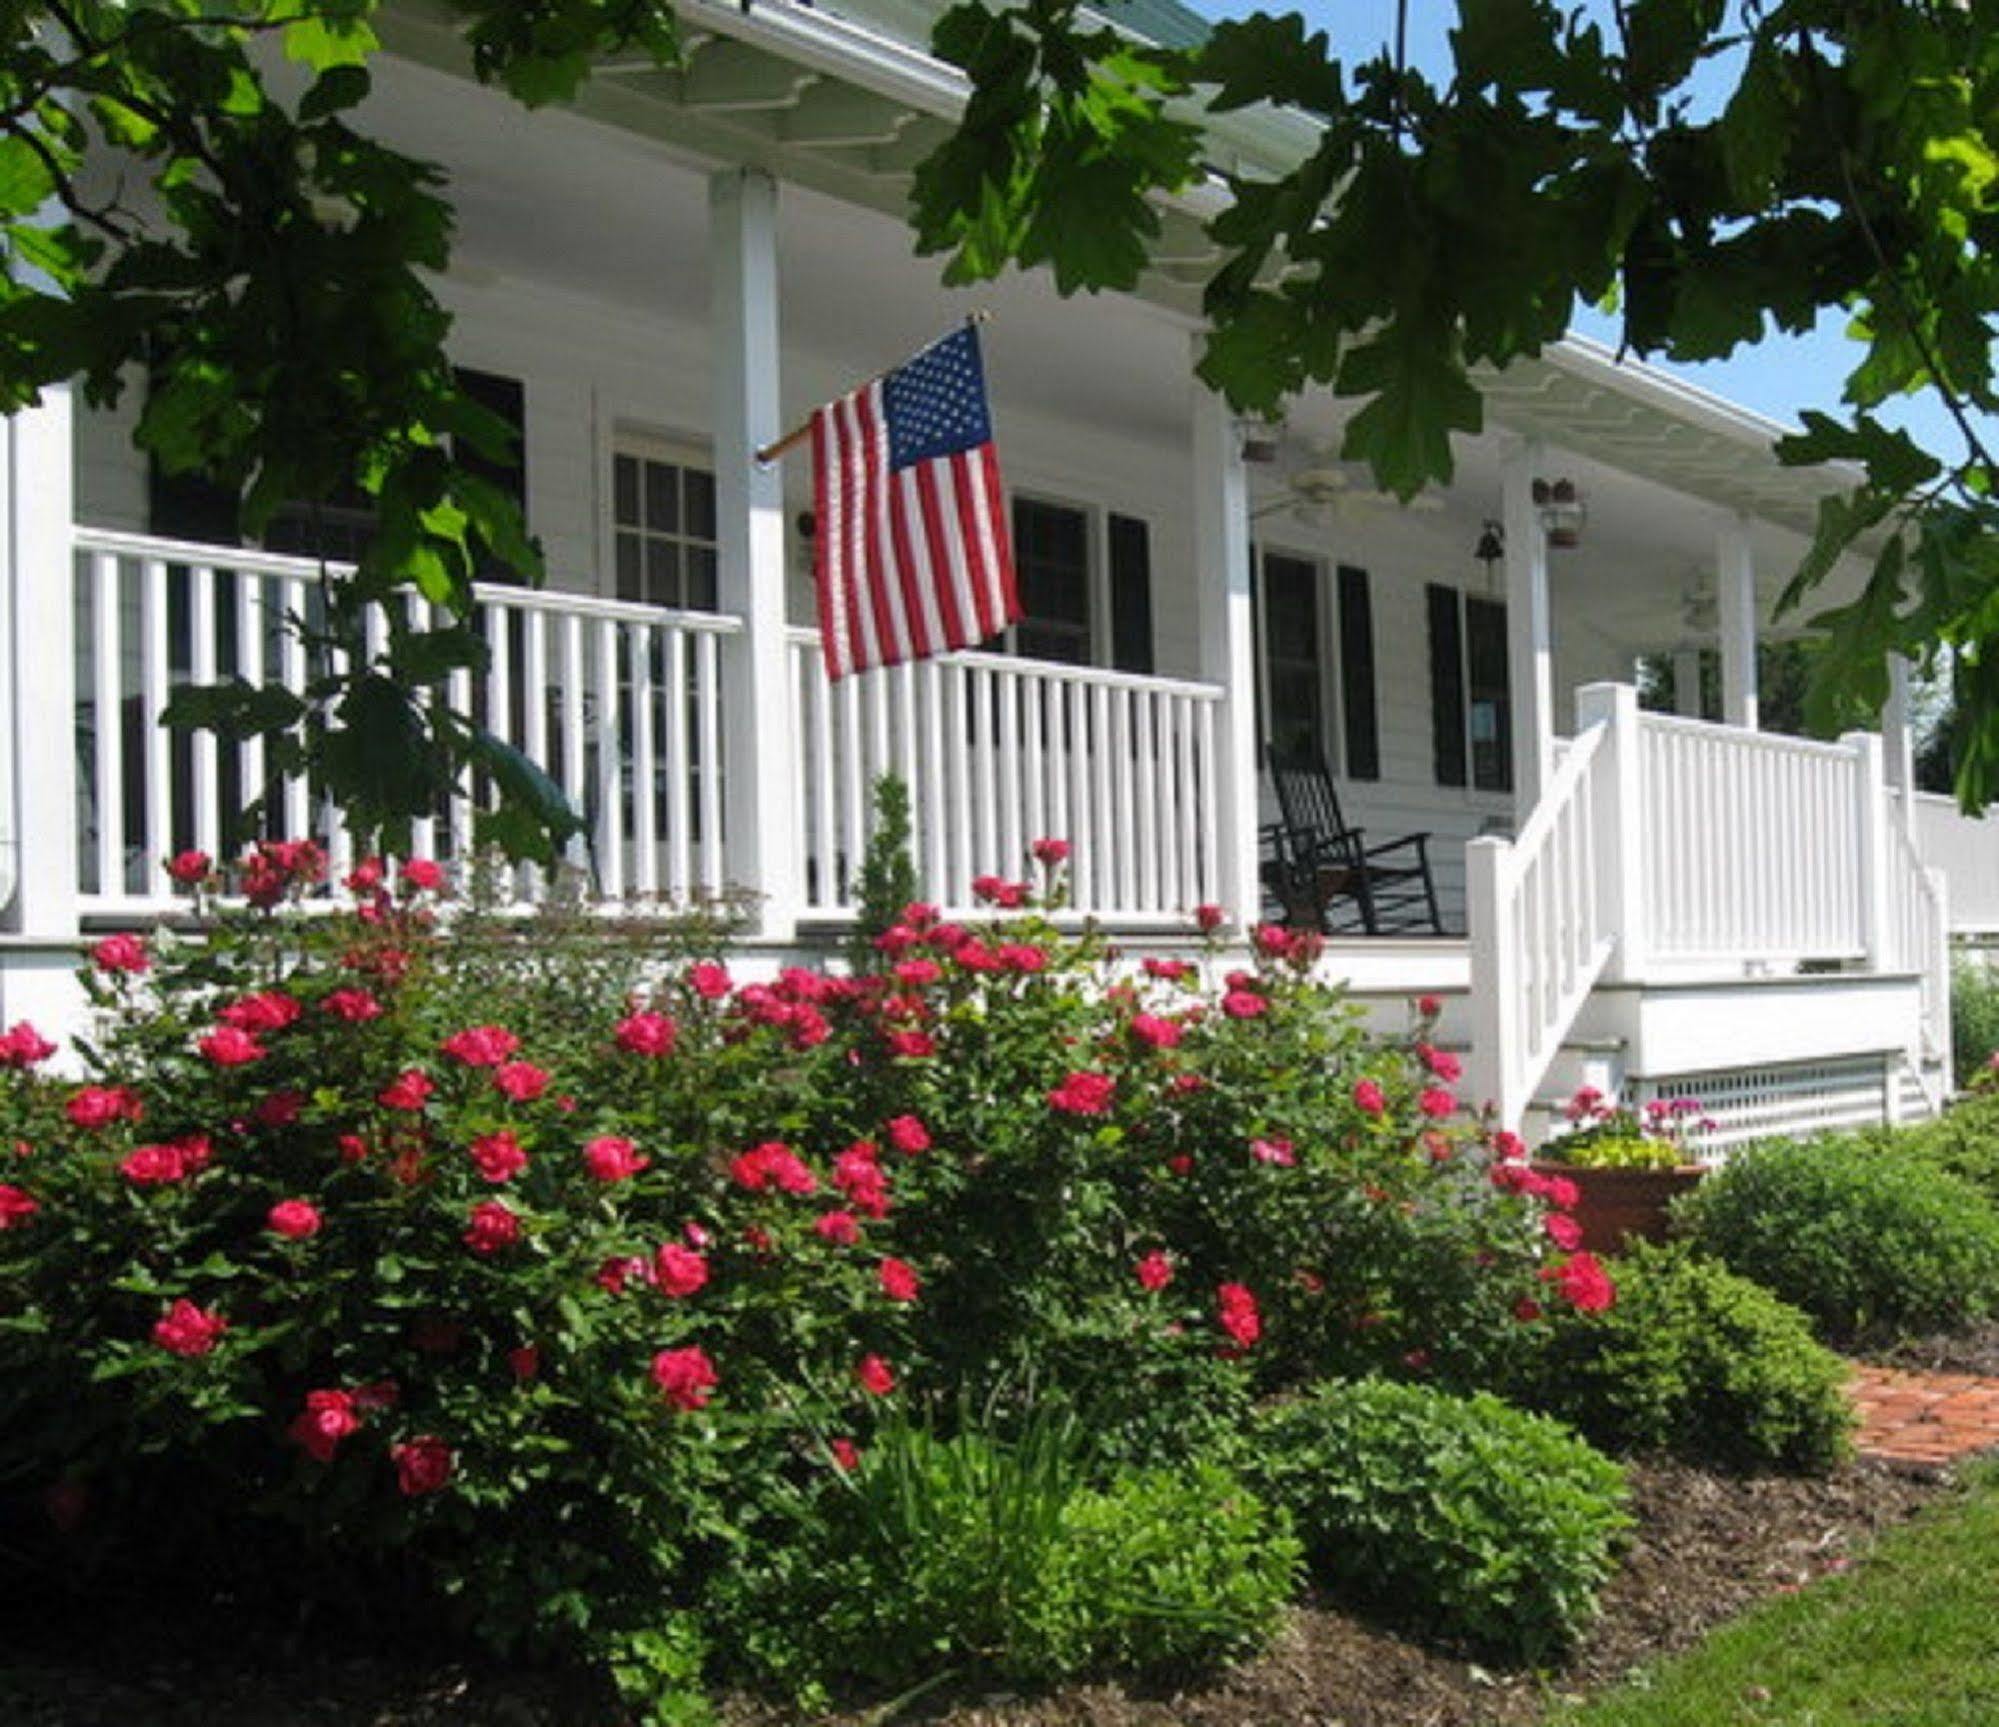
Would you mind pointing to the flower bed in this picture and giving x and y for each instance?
(437, 1249)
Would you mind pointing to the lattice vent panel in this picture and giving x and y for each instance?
(1779, 1102)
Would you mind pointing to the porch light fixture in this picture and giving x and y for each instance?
(1490, 549)
(1561, 510)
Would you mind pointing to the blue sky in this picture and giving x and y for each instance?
(1780, 376)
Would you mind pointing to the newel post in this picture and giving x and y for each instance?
(1620, 822)
(1495, 983)
(760, 782)
(38, 842)
(1871, 839)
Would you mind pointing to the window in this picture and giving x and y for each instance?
(1131, 595)
(1357, 718)
(1051, 560)
(1471, 708)
(1293, 676)
(663, 526)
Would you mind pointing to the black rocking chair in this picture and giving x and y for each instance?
(1317, 863)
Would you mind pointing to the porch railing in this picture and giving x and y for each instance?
(998, 752)
(1966, 849)
(620, 704)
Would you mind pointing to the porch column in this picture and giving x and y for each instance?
(749, 539)
(1529, 632)
(38, 854)
(1899, 744)
(1687, 682)
(1735, 586)
(1221, 564)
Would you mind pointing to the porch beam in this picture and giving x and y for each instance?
(1899, 743)
(760, 772)
(1735, 571)
(1529, 630)
(38, 842)
(1221, 560)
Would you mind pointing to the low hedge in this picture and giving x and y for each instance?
(1860, 1234)
(1463, 1516)
(1700, 1363)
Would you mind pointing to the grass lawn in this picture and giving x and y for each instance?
(1909, 1636)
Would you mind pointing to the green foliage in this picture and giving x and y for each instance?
(1964, 1140)
(1974, 1020)
(1860, 1236)
(535, 1271)
(1474, 1520)
(1696, 1361)
(1445, 223)
(888, 873)
(977, 1550)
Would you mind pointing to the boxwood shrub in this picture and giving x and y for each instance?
(1963, 1141)
(1698, 1362)
(1465, 1517)
(1862, 1236)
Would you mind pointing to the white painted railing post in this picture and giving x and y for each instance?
(1221, 562)
(1735, 622)
(1529, 631)
(1495, 985)
(1943, 1033)
(759, 724)
(1871, 837)
(1620, 822)
(38, 636)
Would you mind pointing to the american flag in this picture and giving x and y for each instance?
(910, 547)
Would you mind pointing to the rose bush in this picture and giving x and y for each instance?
(545, 1276)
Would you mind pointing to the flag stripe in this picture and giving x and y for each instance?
(827, 576)
(999, 536)
(891, 603)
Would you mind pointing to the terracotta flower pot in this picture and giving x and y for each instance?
(1616, 1204)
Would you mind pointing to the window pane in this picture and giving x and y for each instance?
(625, 491)
(1131, 595)
(700, 495)
(1357, 712)
(631, 565)
(662, 497)
(663, 572)
(1051, 557)
(1491, 702)
(1447, 687)
(700, 593)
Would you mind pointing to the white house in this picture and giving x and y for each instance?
(655, 282)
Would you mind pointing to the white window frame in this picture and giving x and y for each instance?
(647, 444)
(1331, 688)
(1096, 548)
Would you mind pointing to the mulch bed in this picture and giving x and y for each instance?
(1708, 1547)
(1975, 1350)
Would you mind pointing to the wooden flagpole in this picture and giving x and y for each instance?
(769, 453)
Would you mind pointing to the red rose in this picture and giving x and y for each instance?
(1563, 1231)
(366, 877)
(610, 1159)
(1050, 852)
(353, 1148)
(1170, 970)
(678, 1271)
(908, 1135)
(353, 1005)
(898, 1280)
(1155, 1271)
(491, 1227)
(154, 1165)
(912, 1045)
(327, 1418)
(1236, 1312)
(846, 1455)
(875, 1375)
(1442, 1062)
(407, 1090)
(1436, 1102)
(916, 973)
(1180, 1164)
(1209, 918)
(708, 980)
(423, 1465)
(614, 1274)
(481, 1045)
(1158, 1033)
(1272, 940)
(841, 1228)
(520, 1081)
(420, 875)
(99, 1106)
(1278, 1151)
(685, 1377)
(646, 1034)
(1526, 1310)
(268, 1010)
(1244, 1004)
(1369, 1098)
(17, 1205)
(186, 1329)
(524, 1362)
(23, 1046)
(1022, 957)
(228, 1046)
(1428, 1007)
(1084, 1094)
(122, 953)
(1584, 1283)
(498, 1157)
(189, 868)
(294, 1219)
(772, 1165)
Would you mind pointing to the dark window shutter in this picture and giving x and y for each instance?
(1357, 713)
(507, 399)
(1491, 702)
(1447, 688)
(1131, 595)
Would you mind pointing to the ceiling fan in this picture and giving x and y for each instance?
(1319, 487)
